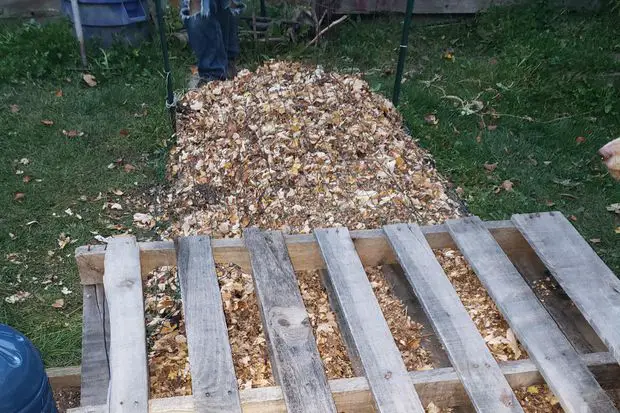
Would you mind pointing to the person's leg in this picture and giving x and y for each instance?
(230, 30)
(207, 42)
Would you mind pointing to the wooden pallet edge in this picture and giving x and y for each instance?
(371, 245)
(441, 386)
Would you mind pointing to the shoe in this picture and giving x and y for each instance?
(196, 82)
(231, 70)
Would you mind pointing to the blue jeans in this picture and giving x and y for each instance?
(214, 38)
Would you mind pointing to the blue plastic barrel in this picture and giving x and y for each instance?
(24, 386)
(110, 20)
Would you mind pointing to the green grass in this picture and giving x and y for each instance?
(37, 62)
(545, 77)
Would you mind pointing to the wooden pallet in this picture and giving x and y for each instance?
(507, 257)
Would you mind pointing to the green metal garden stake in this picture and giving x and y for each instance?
(402, 52)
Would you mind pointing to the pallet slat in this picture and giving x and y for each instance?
(303, 250)
(574, 265)
(129, 388)
(481, 376)
(214, 384)
(440, 386)
(365, 329)
(559, 364)
(295, 359)
(95, 368)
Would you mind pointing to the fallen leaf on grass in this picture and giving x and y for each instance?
(143, 220)
(595, 240)
(14, 108)
(60, 303)
(63, 240)
(549, 203)
(19, 196)
(12, 236)
(431, 119)
(116, 206)
(26, 179)
(24, 161)
(614, 208)
(506, 186)
(17, 297)
(66, 291)
(617, 230)
(58, 93)
(69, 212)
(490, 166)
(89, 79)
(117, 192)
(129, 167)
(492, 127)
(72, 133)
(580, 140)
(123, 132)
(47, 122)
(573, 218)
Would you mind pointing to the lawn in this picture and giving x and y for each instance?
(530, 92)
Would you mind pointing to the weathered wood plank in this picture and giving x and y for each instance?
(420, 7)
(556, 302)
(129, 387)
(481, 376)
(95, 346)
(29, 8)
(566, 375)
(593, 287)
(371, 246)
(64, 377)
(214, 384)
(295, 358)
(366, 330)
(440, 386)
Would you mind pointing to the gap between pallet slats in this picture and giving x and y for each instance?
(481, 376)
(295, 358)
(129, 386)
(591, 285)
(557, 360)
(95, 346)
(304, 252)
(440, 386)
(214, 384)
(366, 330)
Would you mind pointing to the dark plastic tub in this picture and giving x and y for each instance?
(24, 386)
(110, 20)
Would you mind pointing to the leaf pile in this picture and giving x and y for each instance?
(294, 148)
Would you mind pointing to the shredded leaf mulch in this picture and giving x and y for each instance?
(293, 148)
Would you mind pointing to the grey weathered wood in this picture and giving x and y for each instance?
(556, 302)
(295, 359)
(593, 287)
(440, 386)
(557, 360)
(303, 250)
(365, 328)
(95, 368)
(481, 376)
(129, 387)
(214, 384)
